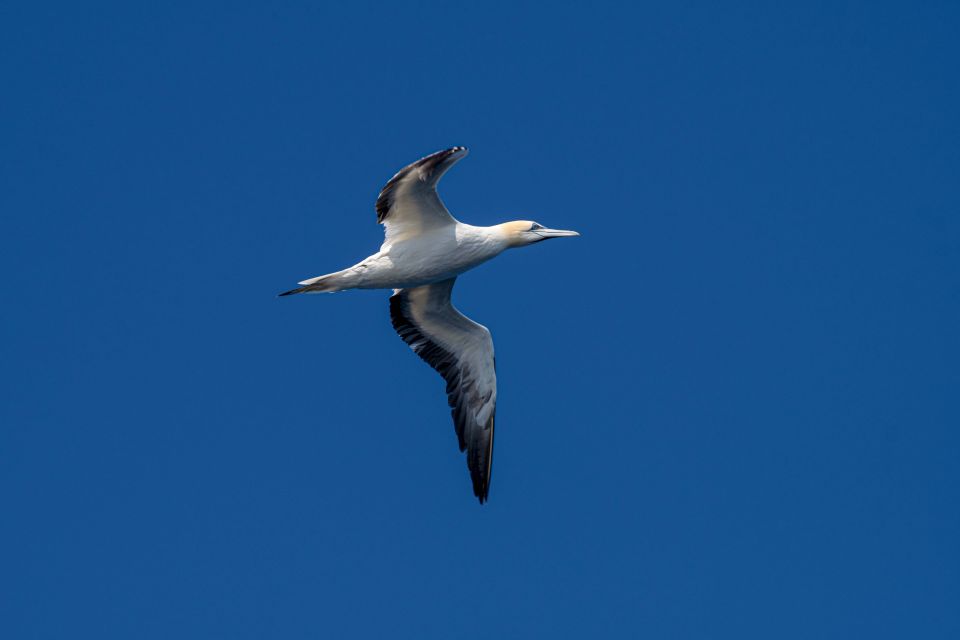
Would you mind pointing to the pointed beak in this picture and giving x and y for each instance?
(555, 233)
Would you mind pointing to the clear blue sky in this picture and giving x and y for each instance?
(728, 410)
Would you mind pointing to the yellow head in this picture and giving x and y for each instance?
(520, 233)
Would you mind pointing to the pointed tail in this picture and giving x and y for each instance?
(321, 284)
(293, 291)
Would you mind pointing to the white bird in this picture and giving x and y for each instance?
(424, 251)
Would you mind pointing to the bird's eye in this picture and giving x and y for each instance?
(536, 226)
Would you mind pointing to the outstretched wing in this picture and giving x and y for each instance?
(462, 352)
(409, 202)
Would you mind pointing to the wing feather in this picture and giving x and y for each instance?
(409, 202)
(462, 352)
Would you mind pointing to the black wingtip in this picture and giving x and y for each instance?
(481, 489)
(426, 164)
(291, 292)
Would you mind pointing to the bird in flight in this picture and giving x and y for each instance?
(424, 251)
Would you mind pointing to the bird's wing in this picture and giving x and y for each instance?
(462, 352)
(409, 202)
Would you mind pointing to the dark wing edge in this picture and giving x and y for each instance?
(477, 442)
(431, 168)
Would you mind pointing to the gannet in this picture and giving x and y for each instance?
(424, 251)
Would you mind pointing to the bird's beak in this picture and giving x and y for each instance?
(546, 234)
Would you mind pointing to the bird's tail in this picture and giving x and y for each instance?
(320, 284)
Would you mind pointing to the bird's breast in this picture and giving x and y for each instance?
(432, 257)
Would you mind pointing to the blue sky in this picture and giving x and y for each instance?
(728, 410)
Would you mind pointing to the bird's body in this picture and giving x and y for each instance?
(424, 251)
(436, 254)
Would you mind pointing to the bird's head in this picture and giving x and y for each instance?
(523, 232)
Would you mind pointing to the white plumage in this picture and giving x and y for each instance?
(423, 252)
